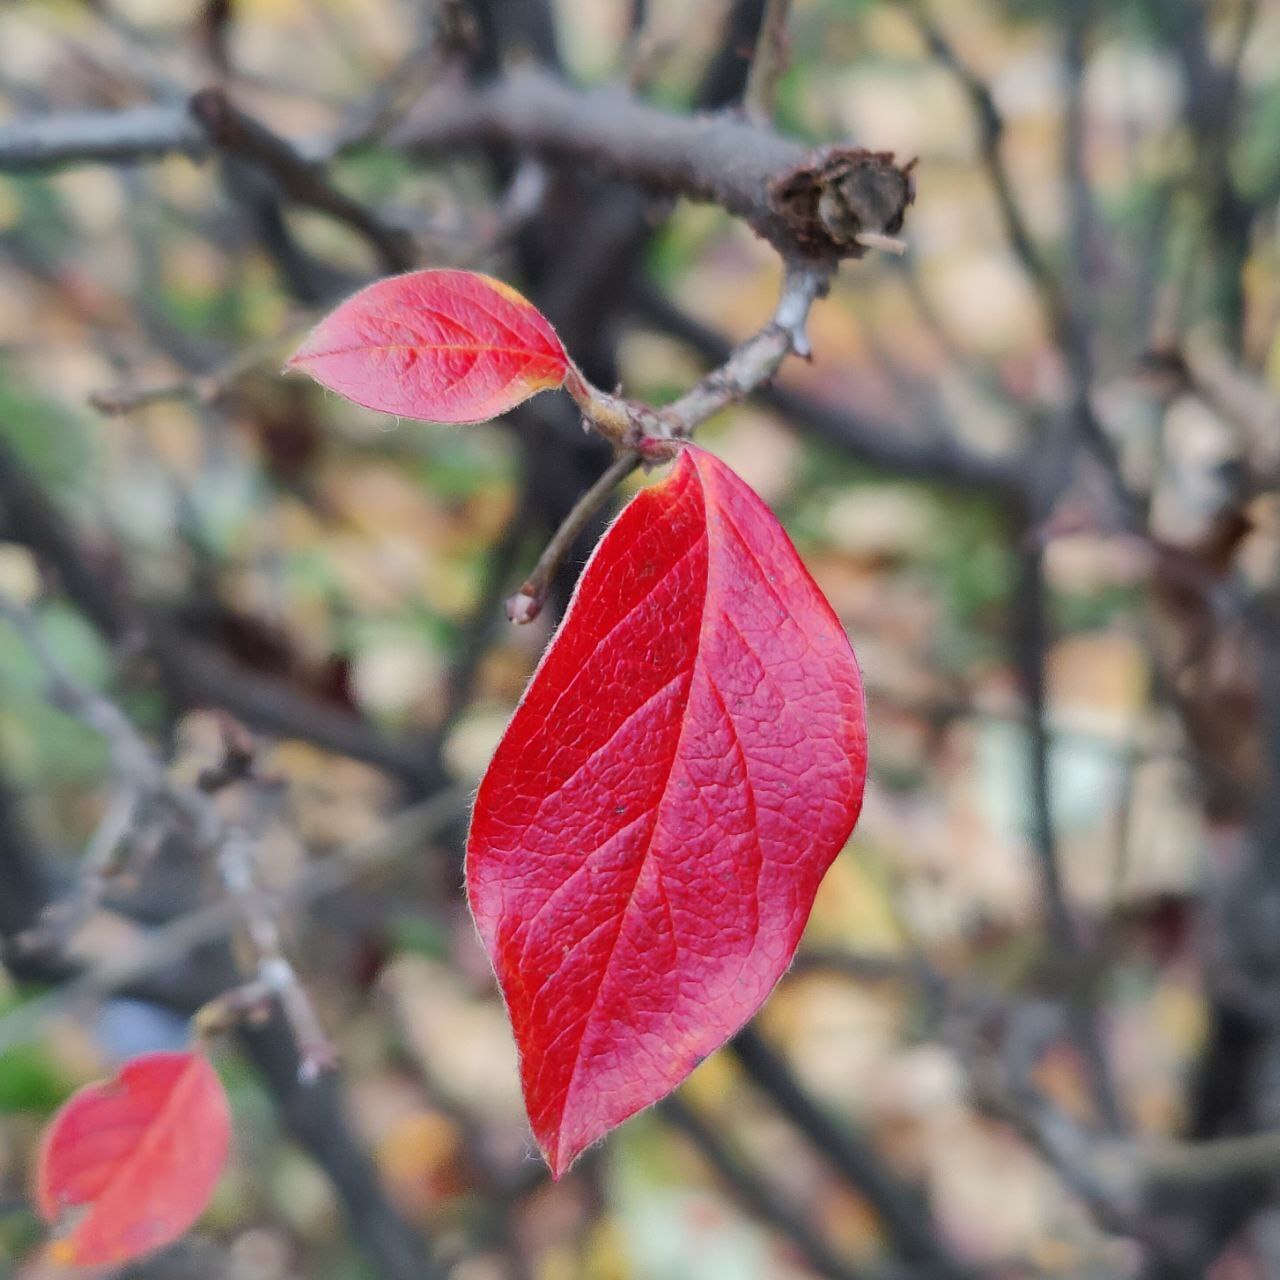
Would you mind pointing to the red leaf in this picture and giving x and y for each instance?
(687, 762)
(130, 1163)
(444, 346)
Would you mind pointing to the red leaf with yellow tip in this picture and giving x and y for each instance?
(443, 346)
(128, 1165)
(648, 840)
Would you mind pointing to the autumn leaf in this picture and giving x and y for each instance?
(128, 1165)
(443, 346)
(648, 840)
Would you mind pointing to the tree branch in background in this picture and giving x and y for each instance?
(146, 781)
(1068, 327)
(1068, 953)
(753, 1193)
(305, 182)
(906, 1218)
(192, 671)
(770, 61)
(100, 137)
(815, 203)
(934, 454)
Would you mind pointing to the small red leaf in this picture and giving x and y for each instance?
(443, 346)
(127, 1165)
(687, 762)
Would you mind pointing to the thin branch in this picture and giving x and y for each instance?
(641, 432)
(1067, 948)
(161, 952)
(756, 361)
(200, 388)
(759, 1199)
(521, 200)
(801, 201)
(906, 1219)
(142, 773)
(772, 51)
(937, 455)
(100, 137)
(1065, 321)
(442, 27)
(304, 181)
(527, 603)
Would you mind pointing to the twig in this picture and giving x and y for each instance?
(937, 455)
(162, 951)
(770, 61)
(640, 431)
(906, 1220)
(101, 860)
(303, 181)
(100, 137)
(756, 361)
(443, 26)
(527, 603)
(141, 771)
(200, 389)
(1065, 322)
(1068, 952)
(800, 201)
(759, 1199)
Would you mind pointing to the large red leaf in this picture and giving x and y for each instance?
(647, 843)
(444, 346)
(127, 1165)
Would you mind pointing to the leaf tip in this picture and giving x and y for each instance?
(559, 1161)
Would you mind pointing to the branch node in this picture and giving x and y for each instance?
(524, 606)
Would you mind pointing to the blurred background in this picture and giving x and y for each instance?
(1034, 1025)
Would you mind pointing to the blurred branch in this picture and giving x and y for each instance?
(1068, 326)
(193, 671)
(518, 204)
(906, 1218)
(209, 123)
(770, 61)
(1210, 106)
(990, 133)
(157, 967)
(442, 28)
(1067, 950)
(724, 80)
(100, 137)
(305, 182)
(313, 1112)
(146, 781)
(760, 1200)
(200, 388)
(816, 203)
